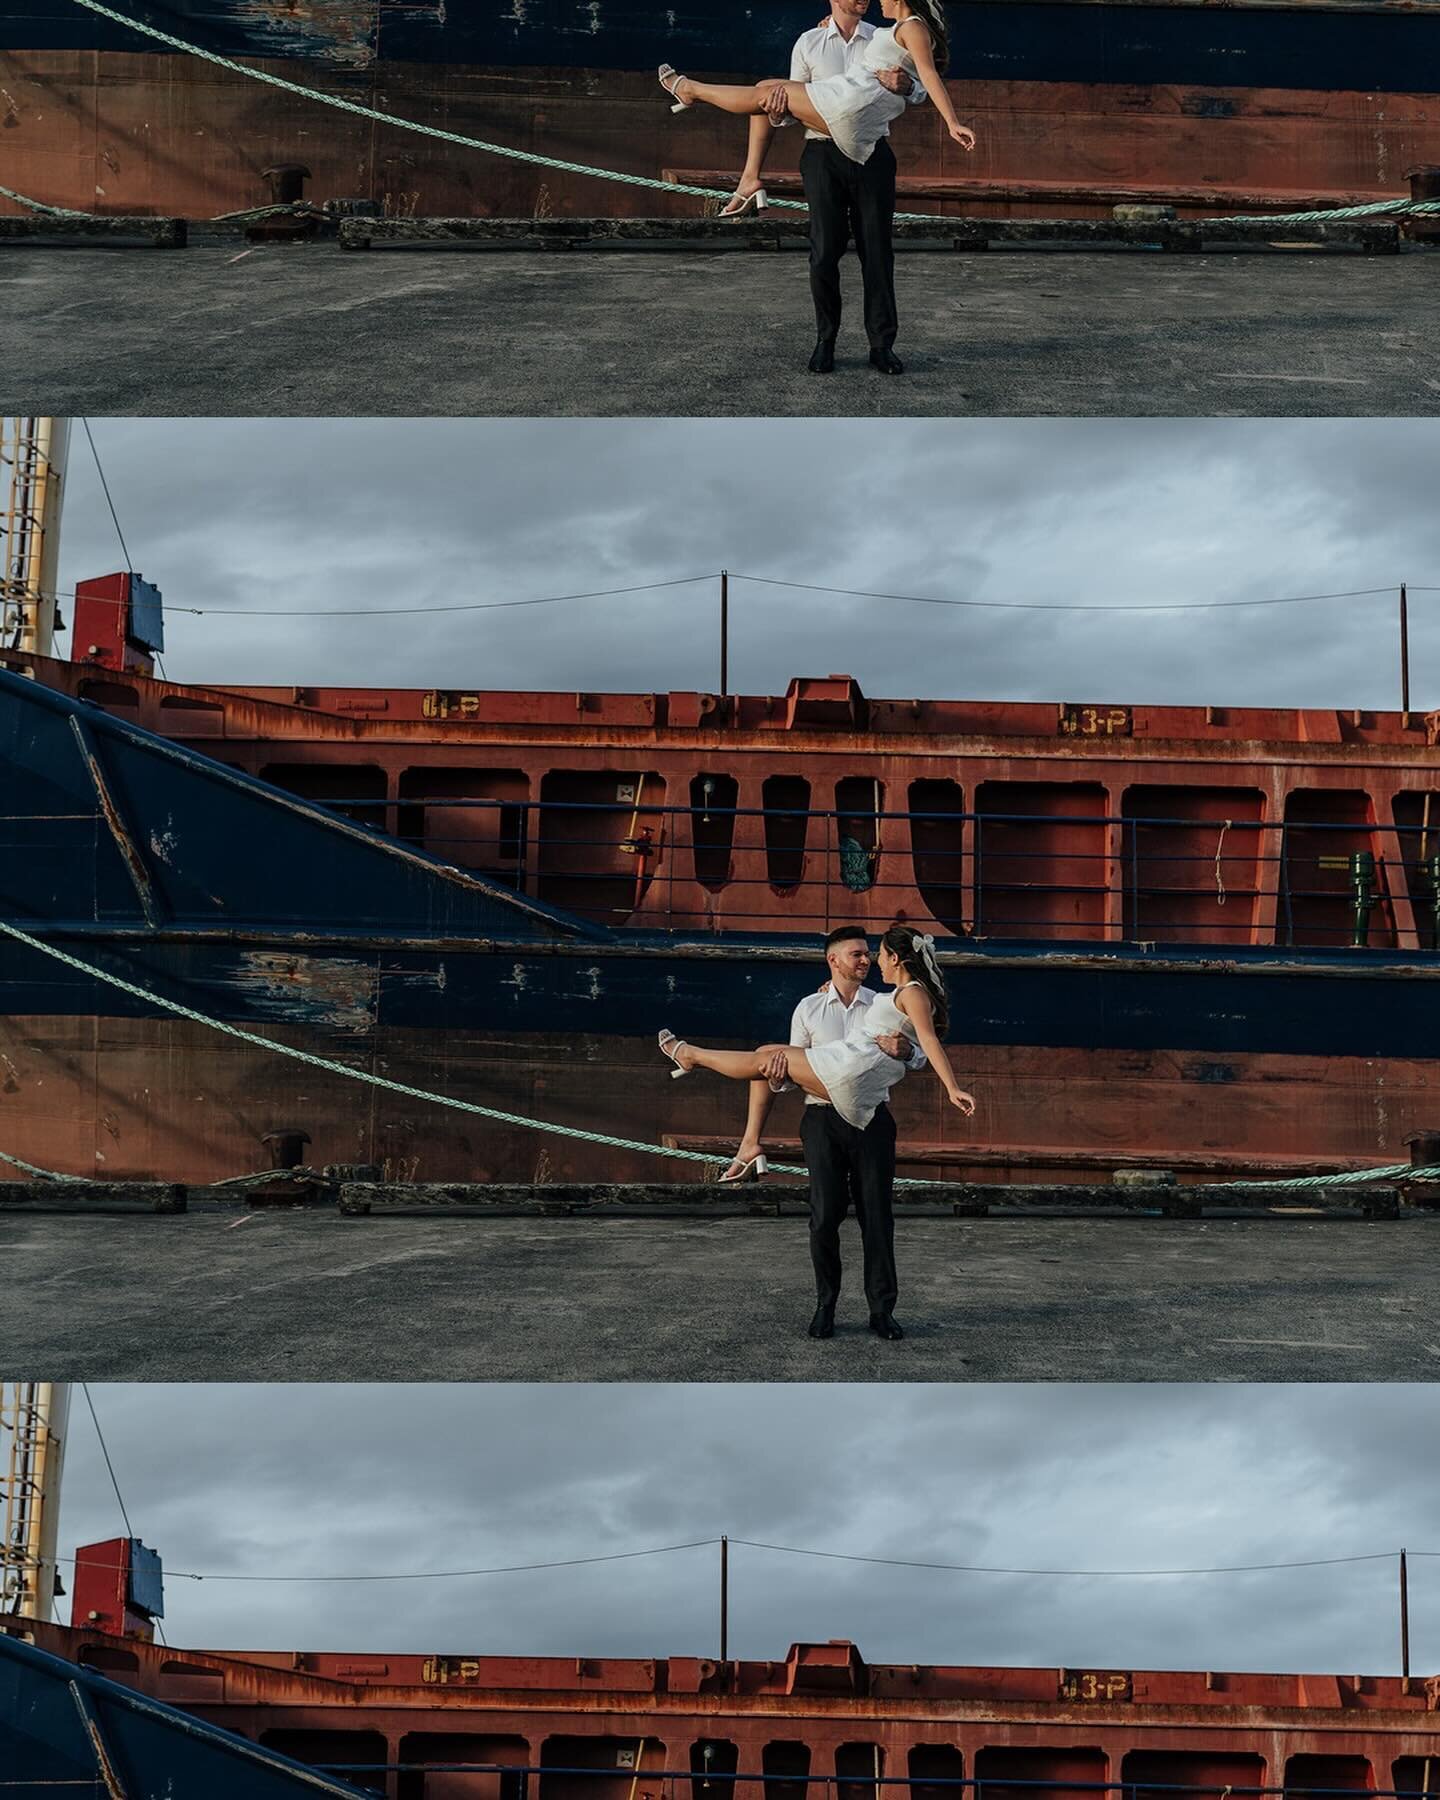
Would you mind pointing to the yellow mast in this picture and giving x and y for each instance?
(33, 454)
(34, 1418)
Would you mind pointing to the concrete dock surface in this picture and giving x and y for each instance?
(310, 1295)
(285, 330)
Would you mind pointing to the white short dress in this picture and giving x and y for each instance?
(857, 111)
(857, 1073)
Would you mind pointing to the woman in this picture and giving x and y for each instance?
(855, 1075)
(855, 109)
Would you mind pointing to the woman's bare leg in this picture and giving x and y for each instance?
(757, 1110)
(749, 1065)
(747, 101)
(762, 135)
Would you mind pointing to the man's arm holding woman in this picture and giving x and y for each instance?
(777, 104)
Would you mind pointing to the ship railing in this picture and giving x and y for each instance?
(977, 888)
(525, 1782)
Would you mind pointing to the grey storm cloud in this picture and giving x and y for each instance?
(310, 514)
(339, 1479)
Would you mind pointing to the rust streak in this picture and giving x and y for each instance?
(102, 1758)
(126, 845)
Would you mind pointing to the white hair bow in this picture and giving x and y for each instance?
(925, 944)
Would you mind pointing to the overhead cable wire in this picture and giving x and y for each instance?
(568, 1562)
(105, 1452)
(890, 1562)
(363, 612)
(105, 487)
(297, 612)
(1070, 606)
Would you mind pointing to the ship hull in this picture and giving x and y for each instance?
(1186, 994)
(1249, 101)
(1081, 1064)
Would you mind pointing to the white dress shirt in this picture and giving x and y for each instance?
(825, 52)
(824, 1018)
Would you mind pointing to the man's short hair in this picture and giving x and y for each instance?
(842, 934)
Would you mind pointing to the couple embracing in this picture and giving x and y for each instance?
(849, 1046)
(848, 84)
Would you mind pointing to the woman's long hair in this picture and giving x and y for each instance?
(917, 960)
(932, 13)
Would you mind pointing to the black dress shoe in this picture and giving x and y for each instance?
(822, 358)
(823, 1324)
(884, 1326)
(887, 362)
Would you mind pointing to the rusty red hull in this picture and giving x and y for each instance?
(129, 132)
(817, 1721)
(163, 1100)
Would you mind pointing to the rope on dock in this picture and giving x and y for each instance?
(1392, 1172)
(19, 1162)
(42, 206)
(1371, 209)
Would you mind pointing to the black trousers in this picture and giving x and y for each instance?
(849, 1165)
(847, 197)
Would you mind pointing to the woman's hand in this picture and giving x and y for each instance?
(963, 136)
(966, 1102)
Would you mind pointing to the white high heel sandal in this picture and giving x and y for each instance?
(670, 79)
(669, 1044)
(757, 1163)
(759, 200)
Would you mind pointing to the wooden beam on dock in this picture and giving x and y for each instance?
(93, 1196)
(772, 231)
(773, 1198)
(45, 228)
(962, 1199)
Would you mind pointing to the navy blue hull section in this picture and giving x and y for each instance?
(1305, 47)
(343, 997)
(66, 1730)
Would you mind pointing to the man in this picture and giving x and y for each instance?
(843, 195)
(846, 1164)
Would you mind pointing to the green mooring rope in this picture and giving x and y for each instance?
(1393, 1171)
(19, 1162)
(1371, 209)
(41, 206)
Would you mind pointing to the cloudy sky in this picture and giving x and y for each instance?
(310, 514)
(339, 1479)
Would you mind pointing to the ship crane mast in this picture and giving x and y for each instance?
(34, 1419)
(33, 453)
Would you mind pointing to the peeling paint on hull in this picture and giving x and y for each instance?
(336, 994)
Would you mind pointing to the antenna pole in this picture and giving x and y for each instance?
(724, 1599)
(1404, 1619)
(724, 633)
(1404, 657)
